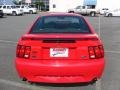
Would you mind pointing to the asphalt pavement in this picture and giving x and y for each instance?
(13, 27)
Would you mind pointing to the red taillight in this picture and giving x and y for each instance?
(18, 50)
(27, 52)
(101, 50)
(96, 52)
(91, 52)
(23, 51)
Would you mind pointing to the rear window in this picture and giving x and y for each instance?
(60, 24)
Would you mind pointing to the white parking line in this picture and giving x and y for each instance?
(20, 85)
(98, 85)
(5, 41)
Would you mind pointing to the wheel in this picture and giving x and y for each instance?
(110, 15)
(93, 81)
(92, 14)
(1, 16)
(31, 12)
(71, 12)
(24, 79)
(14, 13)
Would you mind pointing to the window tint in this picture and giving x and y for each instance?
(54, 6)
(83, 7)
(78, 7)
(13, 6)
(17, 6)
(0, 6)
(60, 24)
(4, 6)
(8, 7)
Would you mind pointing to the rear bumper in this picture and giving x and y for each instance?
(59, 71)
(20, 13)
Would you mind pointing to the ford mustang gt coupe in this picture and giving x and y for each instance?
(60, 48)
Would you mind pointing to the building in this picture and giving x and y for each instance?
(64, 5)
(46, 4)
(111, 4)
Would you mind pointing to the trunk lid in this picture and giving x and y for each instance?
(60, 46)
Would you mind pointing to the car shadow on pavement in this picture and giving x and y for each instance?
(62, 84)
(3, 17)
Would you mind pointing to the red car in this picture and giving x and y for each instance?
(60, 48)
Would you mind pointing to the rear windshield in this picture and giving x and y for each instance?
(60, 24)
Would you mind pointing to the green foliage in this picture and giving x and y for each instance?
(16, 2)
(39, 4)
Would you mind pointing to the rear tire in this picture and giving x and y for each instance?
(1, 16)
(14, 13)
(93, 82)
(31, 12)
(71, 12)
(110, 15)
(93, 14)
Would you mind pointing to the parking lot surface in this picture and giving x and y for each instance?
(11, 29)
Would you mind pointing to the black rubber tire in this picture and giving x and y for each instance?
(110, 15)
(14, 13)
(1, 16)
(92, 14)
(71, 12)
(31, 12)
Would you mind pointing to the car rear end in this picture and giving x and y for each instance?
(34, 10)
(61, 55)
(19, 11)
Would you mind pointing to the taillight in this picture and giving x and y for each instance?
(23, 51)
(96, 52)
(101, 50)
(27, 52)
(91, 52)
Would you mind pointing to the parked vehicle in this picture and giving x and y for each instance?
(1, 14)
(111, 13)
(27, 9)
(12, 10)
(60, 48)
(84, 10)
(103, 11)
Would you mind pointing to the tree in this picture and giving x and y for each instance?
(39, 5)
(18, 2)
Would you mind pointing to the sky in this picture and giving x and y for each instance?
(6, 1)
